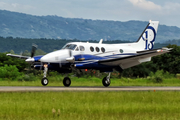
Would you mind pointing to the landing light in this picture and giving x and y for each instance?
(159, 50)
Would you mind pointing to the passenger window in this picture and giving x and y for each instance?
(81, 48)
(121, 51)
(92, 49)
(102, 49)
(97, 49)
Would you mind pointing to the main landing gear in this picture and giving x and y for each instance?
(66, 81)
(106, 80)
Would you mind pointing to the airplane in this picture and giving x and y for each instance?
(99, 56)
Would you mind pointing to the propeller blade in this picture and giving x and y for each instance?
(60, 64)
(70, 53)
(71, 57)
(21, 53)
(34, 47)
(41, 66)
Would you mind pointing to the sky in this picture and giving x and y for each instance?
(165, 11)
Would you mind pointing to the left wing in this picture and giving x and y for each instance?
(18, 56)
(129, 61)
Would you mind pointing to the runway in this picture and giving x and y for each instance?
(61, 89)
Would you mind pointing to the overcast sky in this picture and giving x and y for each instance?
(165, 11)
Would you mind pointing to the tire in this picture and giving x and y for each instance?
(105, 82)
(44, 81)
(67, 81)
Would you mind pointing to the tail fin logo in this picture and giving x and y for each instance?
(149, 37)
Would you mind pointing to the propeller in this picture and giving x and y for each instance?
(33, 50)
(31, 60)
(70, 53)
(71, 57)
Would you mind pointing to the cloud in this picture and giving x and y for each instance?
(146, 5)
(171, 8)
(2, 4)
(15, 7)
(166, 11)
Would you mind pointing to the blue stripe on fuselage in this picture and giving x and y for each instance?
(88, 57)
(94, 57)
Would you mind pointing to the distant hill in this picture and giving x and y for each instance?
(28, 26)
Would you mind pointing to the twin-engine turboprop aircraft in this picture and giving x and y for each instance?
(99, 56)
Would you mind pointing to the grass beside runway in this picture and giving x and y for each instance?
(91, 81)
(147, 105)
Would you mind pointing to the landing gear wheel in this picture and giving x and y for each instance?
(44, 81)
(67, 81)
(106, 82)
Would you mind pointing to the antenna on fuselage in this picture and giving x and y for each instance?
(101, 40)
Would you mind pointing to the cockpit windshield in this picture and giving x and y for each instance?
(70, 46)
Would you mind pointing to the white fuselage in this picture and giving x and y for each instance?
(79, 49)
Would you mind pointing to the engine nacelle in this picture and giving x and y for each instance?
(71, 59)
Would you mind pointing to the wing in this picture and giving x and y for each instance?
(129, 61)
(18, 56)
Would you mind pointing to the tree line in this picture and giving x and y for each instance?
(19, 45)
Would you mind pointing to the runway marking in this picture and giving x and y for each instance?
(49, 88)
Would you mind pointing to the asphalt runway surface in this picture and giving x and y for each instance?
(51, 88)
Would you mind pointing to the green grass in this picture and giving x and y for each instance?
(91, 81)
(148, 105)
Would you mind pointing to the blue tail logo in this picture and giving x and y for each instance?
(149, 37)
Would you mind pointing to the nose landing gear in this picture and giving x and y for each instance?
(45, 81)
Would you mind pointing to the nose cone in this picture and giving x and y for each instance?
(44, 58)
(55, 57)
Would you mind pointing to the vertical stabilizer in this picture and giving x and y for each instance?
(148, 36)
